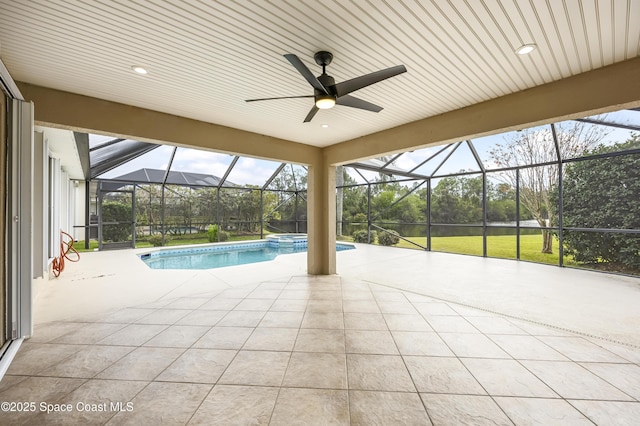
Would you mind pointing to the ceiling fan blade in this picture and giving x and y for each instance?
(352, 101)
(357, 83)
(302, 69)
(282, 97)
(312, 113)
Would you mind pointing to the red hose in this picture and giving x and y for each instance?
(65, 249)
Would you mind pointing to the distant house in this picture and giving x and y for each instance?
(156, 176)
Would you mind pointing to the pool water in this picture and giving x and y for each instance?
(219, 256)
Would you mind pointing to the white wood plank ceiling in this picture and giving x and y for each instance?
(206, 57)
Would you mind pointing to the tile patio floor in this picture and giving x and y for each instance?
(318, 350)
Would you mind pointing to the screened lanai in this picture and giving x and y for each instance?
(565, 193)
(143, 193)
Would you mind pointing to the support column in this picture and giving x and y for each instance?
(321, 219)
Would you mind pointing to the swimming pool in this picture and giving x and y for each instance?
(231, 254)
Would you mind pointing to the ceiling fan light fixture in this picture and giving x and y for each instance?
(525, 49)
(325, 102)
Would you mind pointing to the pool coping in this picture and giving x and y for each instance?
(197, 248)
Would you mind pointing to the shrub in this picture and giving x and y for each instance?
(359, 217)
(214, 234)
(360, 236)
(156, 239)
(389, 238)
(113, 211)
(603, 193)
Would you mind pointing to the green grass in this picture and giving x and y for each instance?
(79, 245)
(499, 246)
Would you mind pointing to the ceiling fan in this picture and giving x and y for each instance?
(328, 93)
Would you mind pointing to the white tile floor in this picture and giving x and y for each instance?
(313, 350)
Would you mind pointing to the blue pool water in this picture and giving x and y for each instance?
(219, 256)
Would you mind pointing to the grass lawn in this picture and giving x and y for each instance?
(500, 246)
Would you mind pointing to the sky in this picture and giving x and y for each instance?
(246, 171)
(255, 171)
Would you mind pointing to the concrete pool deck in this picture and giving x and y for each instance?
(384, 342)
(595, 304)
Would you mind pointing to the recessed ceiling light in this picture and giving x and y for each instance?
(525, 49)
(324, 126)
(139, 70)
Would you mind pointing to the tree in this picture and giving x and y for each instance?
(457, 199)
(289, 187)
(615, 183)
(501, 203)
(536, 146)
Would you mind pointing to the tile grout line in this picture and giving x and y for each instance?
(401, 355)
(346, 363)
(569, 360)
(275, 402)
(463, 364)
(512, 316)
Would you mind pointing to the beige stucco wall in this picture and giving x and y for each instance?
(607, 89)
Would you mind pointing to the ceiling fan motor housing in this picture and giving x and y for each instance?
(328, 82)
